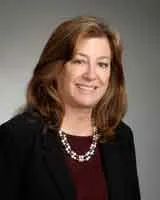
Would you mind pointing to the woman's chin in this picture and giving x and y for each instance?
(86, 104)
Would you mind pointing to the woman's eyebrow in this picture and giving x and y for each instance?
(81, 54)
(86, 56)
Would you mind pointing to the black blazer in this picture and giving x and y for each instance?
(32, 165)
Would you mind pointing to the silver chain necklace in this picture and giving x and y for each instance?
(72, 153)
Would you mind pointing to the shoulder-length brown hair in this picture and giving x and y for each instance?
(42, 92)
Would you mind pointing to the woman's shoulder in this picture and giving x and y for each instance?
(20, 129)
(124, 132)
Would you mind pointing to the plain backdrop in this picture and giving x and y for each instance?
(25, 26)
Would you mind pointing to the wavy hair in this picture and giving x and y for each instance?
(42, 92)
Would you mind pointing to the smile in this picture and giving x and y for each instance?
(86, 87)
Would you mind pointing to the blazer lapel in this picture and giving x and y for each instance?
(113, 169)
(53, 155)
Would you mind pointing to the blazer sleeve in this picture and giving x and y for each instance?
(16, 141)
(133, 189)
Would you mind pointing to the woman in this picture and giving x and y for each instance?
(70, 142)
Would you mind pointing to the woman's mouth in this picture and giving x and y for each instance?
(86, 87)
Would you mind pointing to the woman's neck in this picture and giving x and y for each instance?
(77, 122)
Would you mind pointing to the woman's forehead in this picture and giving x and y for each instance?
(99, 45)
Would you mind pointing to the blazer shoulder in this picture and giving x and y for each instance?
(20, 130)
(124, 132)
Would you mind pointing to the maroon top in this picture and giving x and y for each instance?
(88, 176)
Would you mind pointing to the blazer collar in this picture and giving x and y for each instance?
(55, 161)
(113, 166)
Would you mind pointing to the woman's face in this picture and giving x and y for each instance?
(86, 76)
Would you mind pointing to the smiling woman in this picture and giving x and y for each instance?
(70, 141)
(86, 75)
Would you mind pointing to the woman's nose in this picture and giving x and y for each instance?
(90, 72)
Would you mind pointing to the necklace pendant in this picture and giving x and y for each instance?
(81, 158)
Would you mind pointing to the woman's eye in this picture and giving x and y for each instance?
(78, 61)
(103, 65)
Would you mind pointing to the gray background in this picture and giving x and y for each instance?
(25, 27)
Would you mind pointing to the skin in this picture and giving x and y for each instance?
(85, 80)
